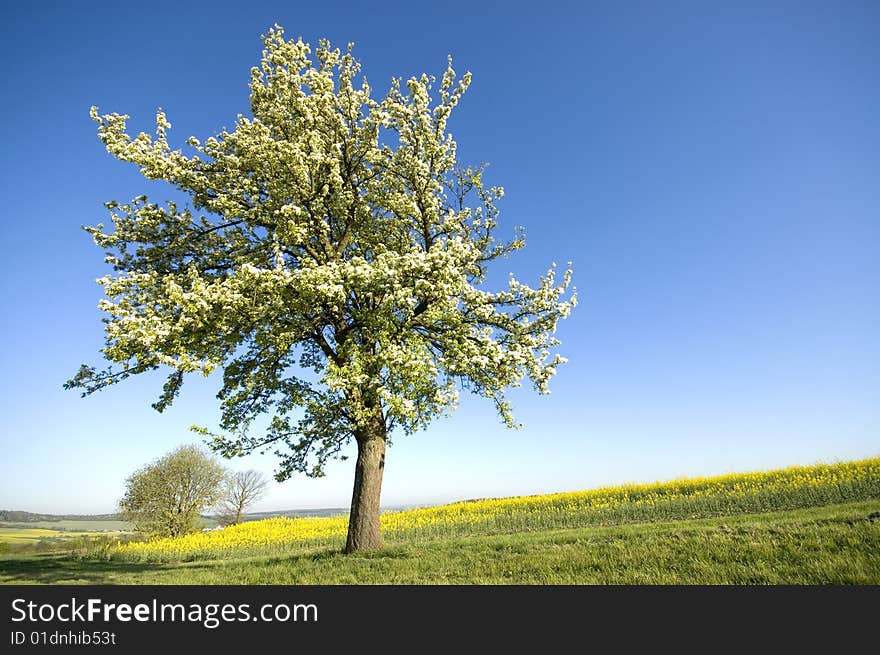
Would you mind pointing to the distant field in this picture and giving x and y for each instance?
(55, 535)
(33, 536)
(69, 524)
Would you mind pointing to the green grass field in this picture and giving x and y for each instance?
(837, 544)
(801, 525)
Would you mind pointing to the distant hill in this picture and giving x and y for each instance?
(17, 516)
(294, 513)
(327, 511)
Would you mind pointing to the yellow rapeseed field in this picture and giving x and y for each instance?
(790, 488)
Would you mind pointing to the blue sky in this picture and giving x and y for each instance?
(712, 170)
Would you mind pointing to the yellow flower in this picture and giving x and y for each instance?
(736, 493)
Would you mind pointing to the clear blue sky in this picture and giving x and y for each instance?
(711, 169)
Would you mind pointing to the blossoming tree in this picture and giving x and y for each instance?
(332, 265)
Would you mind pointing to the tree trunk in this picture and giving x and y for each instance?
(363, 524)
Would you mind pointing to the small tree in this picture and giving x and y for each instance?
(332, 263)
(241, 490)
(166, 497)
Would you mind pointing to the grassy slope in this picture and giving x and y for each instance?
(835, 544)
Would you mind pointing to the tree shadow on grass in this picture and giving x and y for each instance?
(54, 568)
(63, 568)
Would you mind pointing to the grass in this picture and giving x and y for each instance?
(802, 525)
(833, 544)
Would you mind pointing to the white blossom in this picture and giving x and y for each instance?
(332, 263)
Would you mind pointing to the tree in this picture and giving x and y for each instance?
(166, 497)
(333, 266)
(241, 490)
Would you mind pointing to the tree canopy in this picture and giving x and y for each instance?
(165, 498)
(331, 262)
